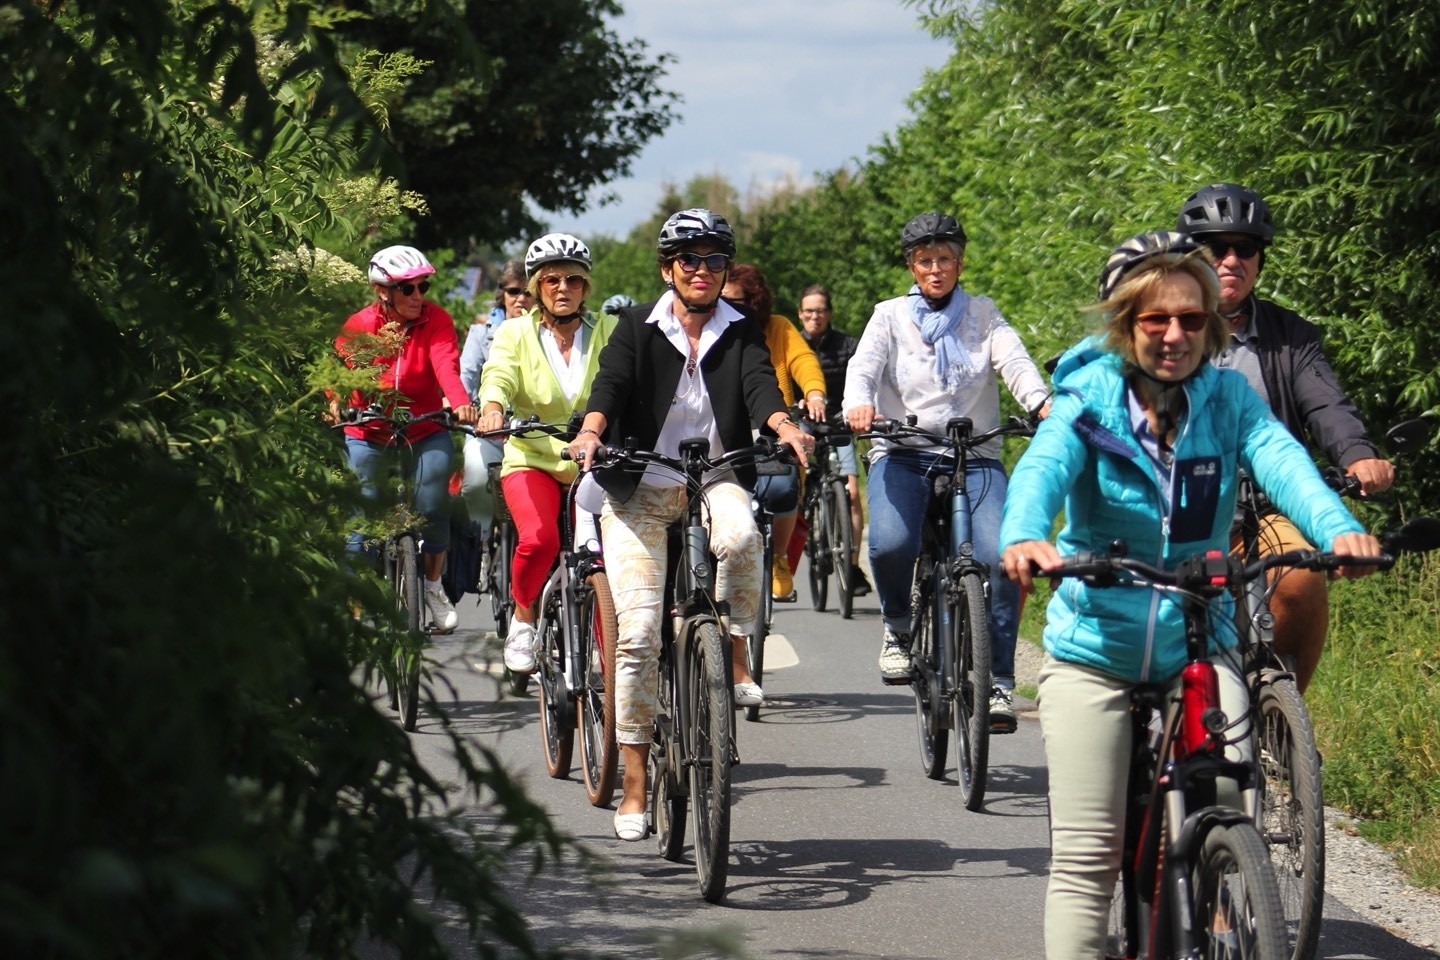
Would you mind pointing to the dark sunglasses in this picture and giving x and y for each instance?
(690, 262)
(1155, 322)
(1244, 249)
(516, 292)
(408, 288)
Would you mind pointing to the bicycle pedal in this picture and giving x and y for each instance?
(999, 725)
(895, 681)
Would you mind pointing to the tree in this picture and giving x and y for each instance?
(196, 769)
(524, 105)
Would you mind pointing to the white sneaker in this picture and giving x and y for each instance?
(441, 610)
(520, 647)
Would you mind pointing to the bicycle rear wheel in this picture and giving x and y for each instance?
(972, 691)
(817, 554)
(1292, 811)
(557, 710)
(711, 750)
(411, 611)
(1236, 902)
(668, 803)
(502, 604)
(599, 756)
(842, 546)
(927, 653)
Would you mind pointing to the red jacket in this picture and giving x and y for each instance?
(426, 370)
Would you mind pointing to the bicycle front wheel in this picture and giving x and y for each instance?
(842, 546)
(1236, 902)
(411, 612)
(927, 679)
(711, 750)
(1292, 811)
(817, 554)
(599, 756)
(972, 690)
(557, 710)
(502, 604)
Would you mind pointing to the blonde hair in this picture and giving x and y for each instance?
(1119, 309)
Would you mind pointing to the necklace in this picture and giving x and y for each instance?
(690, 364)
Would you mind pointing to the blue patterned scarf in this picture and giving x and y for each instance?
(941, 330)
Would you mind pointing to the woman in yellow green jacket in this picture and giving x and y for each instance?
(798, 372)
(542, 363)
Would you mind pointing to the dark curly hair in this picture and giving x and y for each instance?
(756, 289)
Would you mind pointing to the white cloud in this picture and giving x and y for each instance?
(773, 90)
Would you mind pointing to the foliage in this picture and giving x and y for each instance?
(196, 768)
(525, 105)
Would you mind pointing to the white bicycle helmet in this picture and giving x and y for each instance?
(553, 247)
(397, 264)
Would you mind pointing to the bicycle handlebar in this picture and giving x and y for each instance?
(957, 431)
(697, 463)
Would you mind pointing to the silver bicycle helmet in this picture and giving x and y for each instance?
(694, 226)
(554, 247)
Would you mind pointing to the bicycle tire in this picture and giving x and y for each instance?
(1233, 885)
(409, 605)
(972, 691)
(817, 554)
(842, 547)
(502, 604)
(1292, 811)
(711, 750)
(931, 710)
(755, 659)
(599, 755)
(668, 803)
(557, 709)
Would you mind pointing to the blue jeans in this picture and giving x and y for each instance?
(779, 492)
(429, 482)
(900, 488)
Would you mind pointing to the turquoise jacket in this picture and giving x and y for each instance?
(1085, 458)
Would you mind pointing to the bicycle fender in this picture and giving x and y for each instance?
(1198, 823)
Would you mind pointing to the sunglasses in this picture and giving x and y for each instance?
(690, 262)
(1244, 249)
(553, 281)
(1155, 322)
(408, 288)
(516, 292)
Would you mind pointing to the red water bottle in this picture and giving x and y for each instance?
(1199, 696)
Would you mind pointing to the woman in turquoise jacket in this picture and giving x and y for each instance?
(1143, 444)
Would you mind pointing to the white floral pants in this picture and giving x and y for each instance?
(634, 534)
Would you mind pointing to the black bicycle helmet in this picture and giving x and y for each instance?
(1226, 208)
(695, 226)
(931, 227)
(1136, 251)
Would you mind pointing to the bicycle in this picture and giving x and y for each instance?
(765, 622)
(694, 747)
(1291, 813)
(830, 543)
(950, 639)
(399, 566)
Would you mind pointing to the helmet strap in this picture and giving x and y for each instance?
(570, 317)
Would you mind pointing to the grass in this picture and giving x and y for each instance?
(1375, 702)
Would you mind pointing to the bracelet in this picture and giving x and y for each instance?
(585, 430)
(782, 423)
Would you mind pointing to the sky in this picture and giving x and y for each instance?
(770, 89)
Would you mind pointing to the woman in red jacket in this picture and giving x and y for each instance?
(414, 343)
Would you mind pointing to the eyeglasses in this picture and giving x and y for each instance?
(408, 288)
(554, 280)
(1155, 322)
(516, 292)
(819, 311)
(690, 262)
(1244, 249)
(944, 263)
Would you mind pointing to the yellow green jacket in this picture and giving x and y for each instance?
(518, 376)
(795, 363)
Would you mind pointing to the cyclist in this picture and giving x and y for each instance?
(542, 363)
(834, 349)
(1143, 444)
(512, 298)
(1279, 352)
(412, 341)
(686, 365)
(936, 353)
(798, 373)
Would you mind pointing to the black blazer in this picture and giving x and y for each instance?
(640, 372)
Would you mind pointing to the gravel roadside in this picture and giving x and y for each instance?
(1359, 874)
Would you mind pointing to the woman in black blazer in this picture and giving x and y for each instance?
(686, 365)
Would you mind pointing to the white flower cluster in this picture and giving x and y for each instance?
(323, 268)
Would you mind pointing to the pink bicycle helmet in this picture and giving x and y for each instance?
(397, 264)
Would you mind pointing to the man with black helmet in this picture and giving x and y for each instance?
(1280, 354)
(936, 353)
